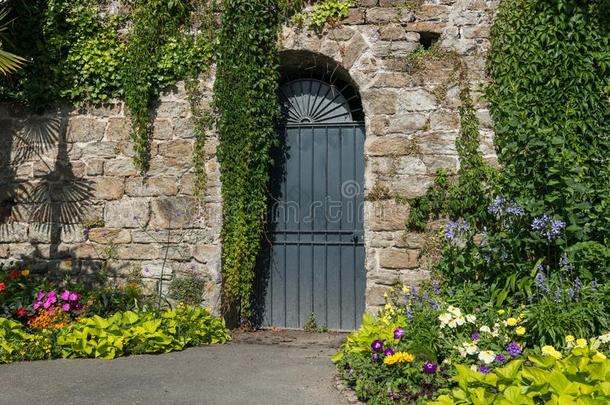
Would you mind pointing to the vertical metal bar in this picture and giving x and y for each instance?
(341, 228)
(299, 243)
(326, 231)
(355, 220)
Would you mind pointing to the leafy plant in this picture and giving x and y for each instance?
(188, 289)
(582, 377)
(9, 62)
(328, 12)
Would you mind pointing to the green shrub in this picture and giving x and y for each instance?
(583, 377)
(187, 290)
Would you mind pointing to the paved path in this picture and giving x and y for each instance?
(236, 373)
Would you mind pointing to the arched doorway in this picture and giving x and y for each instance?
(315, 239)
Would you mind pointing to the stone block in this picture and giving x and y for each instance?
(427, 26)
(382, 15)
(157, 270)
(444, 119)
(177, 148)
(387, 146)
(127, 213)
(108, 188)
(13, 232)
(342, 33)
(151, 186)
(392, 32)
(417, 100)
(176, 252)
(437, 142)
(407, 123)
(353, 50)
(120, 167)
(432, 12)
(173, 212)
(163, 129)
(94, 167)
(118, 129)
(379, 101)
(387, 215)
(173, 109)
(205, 253)
(104, 150)
(109, 235)
(354, 17)
(135, 251)
(398, 258)
(85, 129)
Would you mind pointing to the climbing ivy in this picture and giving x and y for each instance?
(550, 64)
(159, 52)
(245, 95)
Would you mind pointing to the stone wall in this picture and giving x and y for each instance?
(73, 199)
(411, 113)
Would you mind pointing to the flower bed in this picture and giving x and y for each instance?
(40, 319)
(422, 345)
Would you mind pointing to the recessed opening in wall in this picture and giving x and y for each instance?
(427, 39)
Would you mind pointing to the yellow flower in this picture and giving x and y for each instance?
(25, 272)
(520, 331)
(512, 322)
(67, 263)
(501, 312)
(399, 357)
(581, 343)
(569, 339)
(550, 351)
(598, 357)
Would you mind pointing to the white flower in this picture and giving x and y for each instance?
(453, 324)
(460, 320)
(471, 318)
(455, 311)
(487, 356)
(445, 318)
(471, 348)
(605, 338)
(473, 367)
(462, 351)
(485, 329)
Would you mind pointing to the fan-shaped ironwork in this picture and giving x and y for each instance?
(312, 101)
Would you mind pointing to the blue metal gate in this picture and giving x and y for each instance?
(315, 229)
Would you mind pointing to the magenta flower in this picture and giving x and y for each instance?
(65, 307)
(40, 296)
(377, 345)
(399, 333)
(52, 294)
(47, 304)
(429, 367)
(74, 297)
(36, 305)
(388, 352)
(65, 296)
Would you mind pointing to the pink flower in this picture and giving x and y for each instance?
(65, 296)
(36, 305)
(73, 297)
(52, 294)
(40, 296)
(65, 307)
(47, 304)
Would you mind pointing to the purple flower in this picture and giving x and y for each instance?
(484, 370)
(577, 285)
(434, 305)
(571, 294)
(594, 285)
(455, 229)
(496, 207)
(548, 227)
(413, 293)
(514, 349)
(475, 336)
(377, 345)
(429, 367)
(500, 358)
(435, 287)
(558, 294)
(398, 333)
(388, 352)
(564, 263)
(540, 281)
(375, 357)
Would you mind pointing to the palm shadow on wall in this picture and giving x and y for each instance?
(50, 198)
